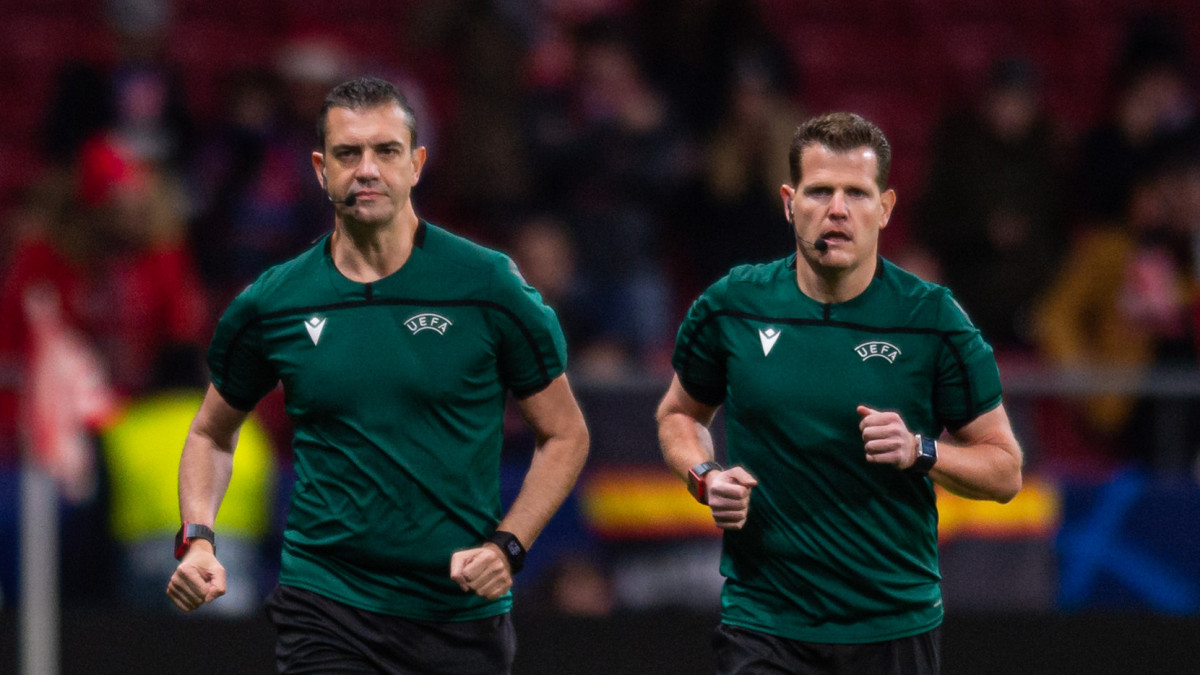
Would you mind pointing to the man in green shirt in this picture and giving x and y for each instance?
(838, 371)
(396, 343)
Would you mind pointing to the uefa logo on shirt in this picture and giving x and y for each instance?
(428, 321)
(877, 348)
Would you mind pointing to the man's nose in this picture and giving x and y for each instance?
(368, 167)
(837, 205)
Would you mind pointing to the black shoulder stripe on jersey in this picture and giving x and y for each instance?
(543, 369)
(827, 322)
(955, 425)
(944, 336)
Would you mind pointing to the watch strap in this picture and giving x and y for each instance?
(512, 548)
(697, 485)
(926, 455)
(190, 532)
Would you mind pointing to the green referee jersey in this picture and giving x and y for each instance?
(835, 550)
(396, 390)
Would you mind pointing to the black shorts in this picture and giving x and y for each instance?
(741, 651)
(319, 635)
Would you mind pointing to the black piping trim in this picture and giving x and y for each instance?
(944, 336)
(958, 360)
(543, 369)
(419, 236)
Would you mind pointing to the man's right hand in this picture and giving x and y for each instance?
(729, 496)
(199, 578)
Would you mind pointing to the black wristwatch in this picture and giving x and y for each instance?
(191, 532)
(926, 455)
(696, 483)
(513, 550)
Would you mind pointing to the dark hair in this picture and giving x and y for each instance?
(842, 132)
(362, 93)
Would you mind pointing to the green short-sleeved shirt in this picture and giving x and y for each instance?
(396, 390)
(835, 550)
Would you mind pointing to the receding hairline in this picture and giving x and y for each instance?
(841, 132)
(365, 93)
(865, 147)
(359, 108)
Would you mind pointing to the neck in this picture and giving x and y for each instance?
(834, 284)
(366, 252)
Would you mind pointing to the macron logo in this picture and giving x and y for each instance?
(768, 337)
(315, 326)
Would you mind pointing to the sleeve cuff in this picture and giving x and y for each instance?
(708, 395)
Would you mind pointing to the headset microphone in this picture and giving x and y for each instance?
(348, 201)
(819, 245)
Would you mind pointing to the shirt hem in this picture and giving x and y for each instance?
(827, 637)
(496, 608)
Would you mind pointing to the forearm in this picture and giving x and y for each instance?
(204, 472)
(555, 467)
(683, 435)
(684, 442)
(986, 471)
(207, 461)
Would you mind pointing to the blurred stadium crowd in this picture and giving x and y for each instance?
(625, 153)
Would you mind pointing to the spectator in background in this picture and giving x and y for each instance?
(550, 119)
(51, 305)
(991, 211)
(139, 99)
(1154, 107)
(486, 171)
(633, 163)
(545, 252)
(150, 300)
(54, 248)
(107, 242)
(254, 200)
(734, 223)
(1121, 300)
(696, 50)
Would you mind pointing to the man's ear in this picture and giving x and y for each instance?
(318, 163)
(888, 200)
(419, 155)
(787, 193)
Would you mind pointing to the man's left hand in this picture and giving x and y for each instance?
(483, 570)
(886, 438)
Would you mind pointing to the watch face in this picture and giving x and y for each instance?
(514, 548)
(929, 447)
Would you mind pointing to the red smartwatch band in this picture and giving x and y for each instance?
(191, 532)
(697, 485)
